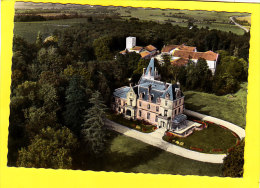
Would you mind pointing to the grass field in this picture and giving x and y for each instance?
(231, 108)
(126, 154)
(208, 139)
(246, 18)
(29, 30)
(222, 18)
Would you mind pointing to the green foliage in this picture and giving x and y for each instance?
(75, 104)
(49, 149)
(39, 40)
(50, 60)
(93, 130)
(234, 161)
(37, 119)
(102, 48)
(230, 72)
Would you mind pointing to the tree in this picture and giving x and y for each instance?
(234, 161)
(102, 48)
(204, 75)
(49, 149)
(93, 130)
(75, 104)
(39, 40)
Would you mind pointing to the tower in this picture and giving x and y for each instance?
(130, 42)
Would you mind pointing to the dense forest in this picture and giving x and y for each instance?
(62, 85)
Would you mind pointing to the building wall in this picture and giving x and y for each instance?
(130, 42)
(142, 106)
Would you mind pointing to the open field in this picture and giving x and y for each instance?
(231, 108)
(212, 20)
(126, 154)
(29, 30)
(246, 18)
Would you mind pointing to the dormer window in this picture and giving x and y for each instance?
(167, 96)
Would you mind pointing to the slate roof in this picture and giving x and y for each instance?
(151, 65)
(157, 88)
(121, 92)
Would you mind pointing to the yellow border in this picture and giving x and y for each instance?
(22, 177)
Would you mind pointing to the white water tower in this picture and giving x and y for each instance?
(130, 42)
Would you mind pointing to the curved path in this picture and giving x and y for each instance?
(242, 27)
(155, 139)
(236, 129)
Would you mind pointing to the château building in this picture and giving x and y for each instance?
(159, 103)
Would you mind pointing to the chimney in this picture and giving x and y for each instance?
(144, 69)
(178, 84)
(149, 89)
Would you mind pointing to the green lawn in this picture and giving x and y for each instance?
(29, 30)
(126, 154)
(231, 108)
(213, 137)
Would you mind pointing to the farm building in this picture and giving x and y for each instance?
(145, 52)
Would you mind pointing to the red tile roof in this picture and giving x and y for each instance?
(144, 54)
(123, 52)
(209, 55)
(137, 48)
(168, 48)
(180, 62)
(187, 48)
(150, 48)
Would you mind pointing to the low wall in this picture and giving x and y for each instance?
(236, 129)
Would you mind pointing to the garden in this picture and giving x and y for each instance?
(212, 139)
(138, 125)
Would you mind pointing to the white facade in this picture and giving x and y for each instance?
(211, 64)
(130, 42)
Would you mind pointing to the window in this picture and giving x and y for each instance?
(166, 103)
(165, 112)
(180, 102)
(157, 108)
(156, 118)
(179, 110)
(140, 113)
(174, 112)
(131, 102)
(148, 115)
(175, 103)
(140, 103)
(131, 94)
(148, 106)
